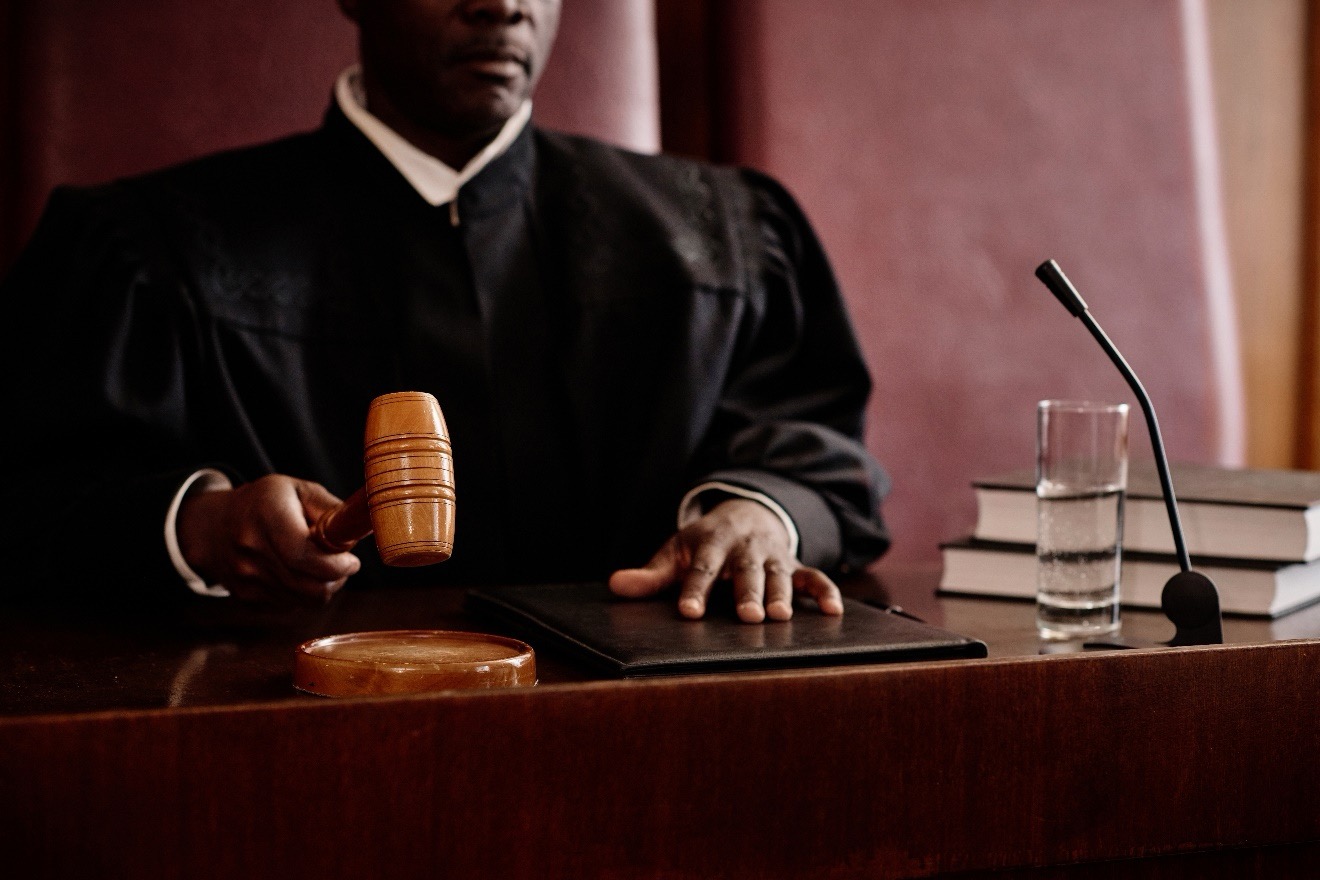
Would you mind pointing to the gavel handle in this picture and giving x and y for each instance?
(339, 528)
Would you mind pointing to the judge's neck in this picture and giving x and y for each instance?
(436, 177)
(436, 180)
(456, 151)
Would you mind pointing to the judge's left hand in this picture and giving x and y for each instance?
(738, 540)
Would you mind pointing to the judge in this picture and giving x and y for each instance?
(632, 352)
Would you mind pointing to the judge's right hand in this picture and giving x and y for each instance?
(255, 540)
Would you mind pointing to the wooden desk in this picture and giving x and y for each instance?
(173, 746)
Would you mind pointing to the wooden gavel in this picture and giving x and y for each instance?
(408, 498)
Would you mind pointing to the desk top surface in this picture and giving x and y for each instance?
(227, 654)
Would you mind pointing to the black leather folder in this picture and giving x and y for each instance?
(634, 637)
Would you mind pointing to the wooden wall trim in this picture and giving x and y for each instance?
(1308, 397)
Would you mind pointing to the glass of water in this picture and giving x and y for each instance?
(1081, 477)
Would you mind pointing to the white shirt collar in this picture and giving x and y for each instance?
(434, 180)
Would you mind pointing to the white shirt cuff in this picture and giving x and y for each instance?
(204, 480)
(689, 509)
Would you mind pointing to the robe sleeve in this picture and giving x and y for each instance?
(790, 419)
(98, 350)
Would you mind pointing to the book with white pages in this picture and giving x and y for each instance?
(1247, 587)
(1230, 513)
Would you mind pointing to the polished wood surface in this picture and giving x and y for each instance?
(175, 746)
(212, 655)
(408, 498)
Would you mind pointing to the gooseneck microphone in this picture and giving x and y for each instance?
(1190, 599)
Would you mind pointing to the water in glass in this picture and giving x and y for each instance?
(1079, 545)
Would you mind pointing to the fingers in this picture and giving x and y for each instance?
(317, 578)
(778, 590)
(818, 585)
(740, 541)
(667, 567)
(746, 568)
(296, 562)
(273, 567)
(707, 561)
(660, 572)
(315, 499)
(255, 540)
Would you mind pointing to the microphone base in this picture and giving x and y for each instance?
(1119, 643)
(1191, 601)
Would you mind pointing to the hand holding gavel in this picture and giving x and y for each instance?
(279, 535)
(408, 498)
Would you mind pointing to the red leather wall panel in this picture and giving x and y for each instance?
(602, 79)
(944, 148)
(108, 89)
(112, 88)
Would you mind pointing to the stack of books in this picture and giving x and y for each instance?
(1255, 533)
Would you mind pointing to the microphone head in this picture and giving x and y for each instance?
(1052, 277)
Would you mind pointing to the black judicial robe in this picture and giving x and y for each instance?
(603, 330)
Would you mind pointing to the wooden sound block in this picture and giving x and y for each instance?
(411, 661)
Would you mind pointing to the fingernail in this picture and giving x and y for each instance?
(690, 607)
(752, 612)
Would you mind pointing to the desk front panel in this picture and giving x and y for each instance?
(192, 758)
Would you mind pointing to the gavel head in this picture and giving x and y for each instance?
(410, 479)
